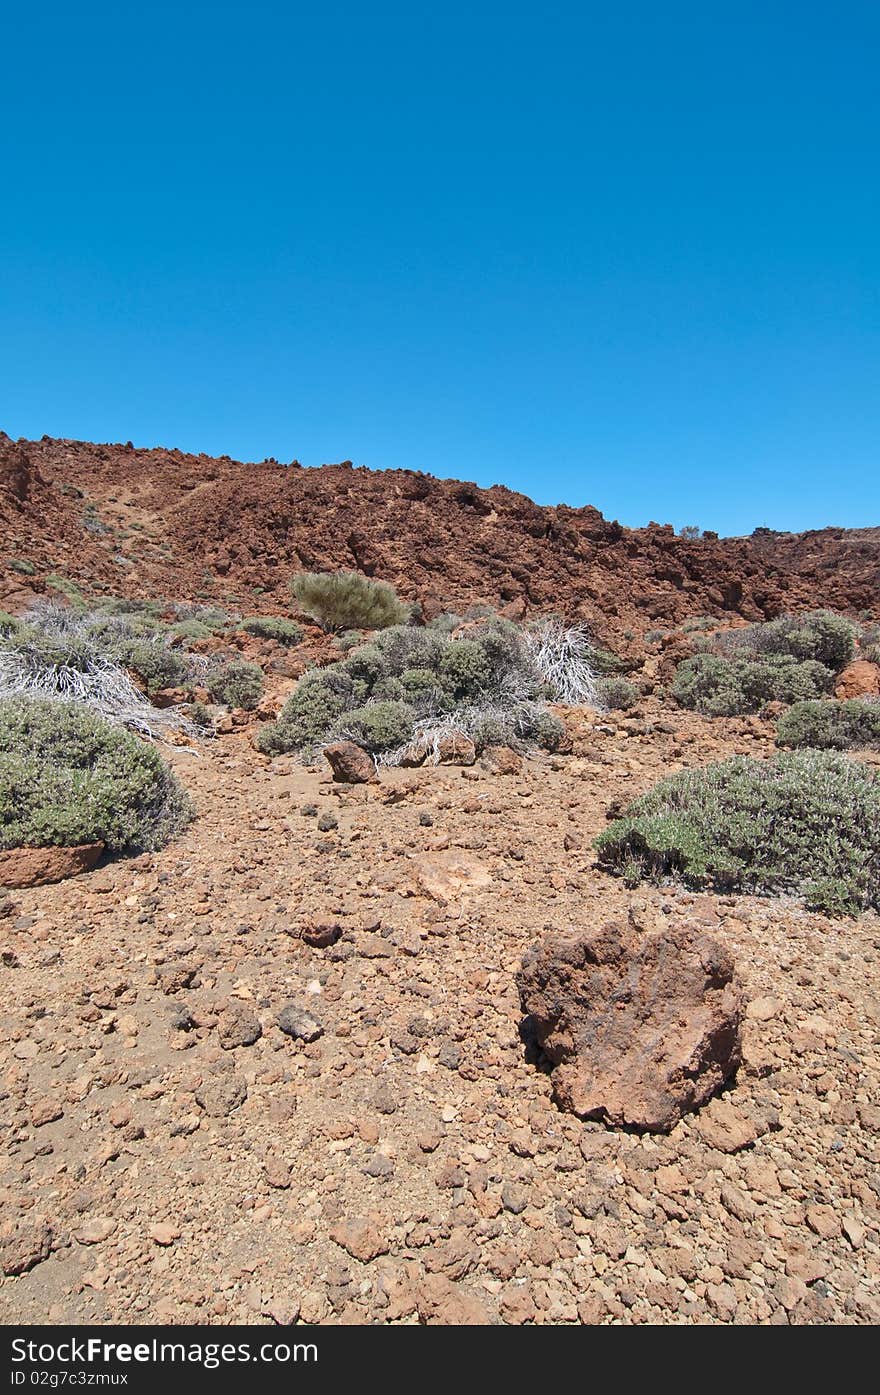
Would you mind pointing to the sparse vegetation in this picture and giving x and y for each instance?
(88, 656)
(68, 777)
(805, 823)
(277, 627)
(616, 693)
(792, 659)
(819, 636)
(65, 587)
(238, 684)
(347, 600)
(728, 687)
(831, 725)
(411, 687)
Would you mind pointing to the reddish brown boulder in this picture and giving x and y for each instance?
(320, 934)
(34, 866)
(456, 749)
(858, 679)
(351, 764)
(639, 1029)
(501, 760)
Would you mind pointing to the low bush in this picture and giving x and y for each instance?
(804, 822)
(89, 656)
(413, 685)
(307, 718)
(728, 687)
(276, 627)
(238, 684)
(153, 662)
(831, 725)
(348, 600)
(819, 635)
(379, 726)
(616, 693)
(68, 777)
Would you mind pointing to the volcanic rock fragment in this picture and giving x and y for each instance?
(639, 1029)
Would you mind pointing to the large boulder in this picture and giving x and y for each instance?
(638, 1029)
(858, 679)
(350, 763)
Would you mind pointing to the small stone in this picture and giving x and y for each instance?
(163, 1234)
(513, 1198)
(295, 1022)
(220, 1095)
(823, 1221)
(46, 1111)
(238, 1025)
(361, 1238)
(351, 764)
(95, 1230)
(378, 1166)
(24, 1243)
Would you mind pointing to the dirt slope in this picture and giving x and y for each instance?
(162, 522)
(409, 1165)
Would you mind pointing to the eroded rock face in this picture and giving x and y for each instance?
(640, 1029)
(350, 763)
(36, 866)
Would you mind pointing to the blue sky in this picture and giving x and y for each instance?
(621, 254)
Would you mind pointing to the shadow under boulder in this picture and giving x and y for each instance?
(637, 1029)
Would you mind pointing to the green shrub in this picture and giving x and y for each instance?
(445, 623)
(238, 684)
(305, 720)
(819, 635)
(465, 669)
(200, 715)
(124, 605)
(830, 725)
(68, 777)
(8, 623)
(389, 689)
(616, 693)
(403, 646)
(416, 683)
(727, 687)
(380, 726)
(22, 565)
(65, 587)
(807, 823)
(604, 663)
(154, 663)
(348, 600)
(277, 627)
(534, 724)
(214, 616)
(424, 691)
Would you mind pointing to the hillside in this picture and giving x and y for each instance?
(163, 522)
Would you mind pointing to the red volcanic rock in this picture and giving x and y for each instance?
(858, 679)
(350, 763)
(35, 866)
(217, 526)
(640, 1029)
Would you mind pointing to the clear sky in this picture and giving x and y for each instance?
(623, 254)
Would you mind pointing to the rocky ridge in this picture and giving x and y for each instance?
(162, 522)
